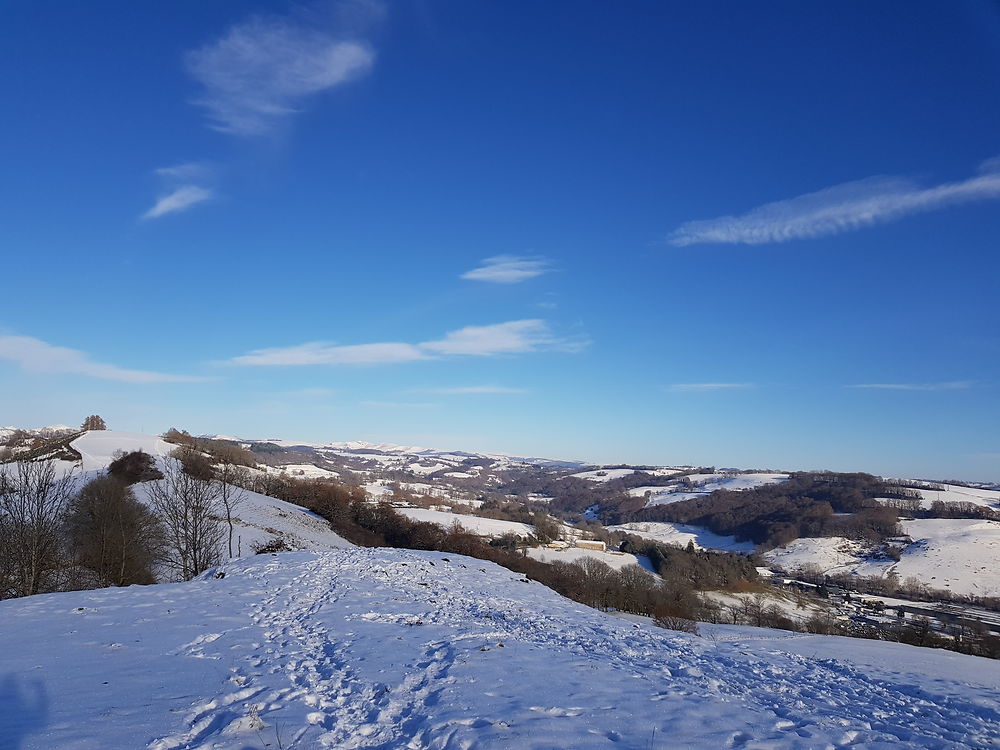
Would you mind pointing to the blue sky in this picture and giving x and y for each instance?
(715, 233)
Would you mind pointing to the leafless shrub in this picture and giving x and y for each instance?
(189, 509)
(33, 501)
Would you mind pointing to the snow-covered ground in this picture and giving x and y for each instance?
(886, 661)
(679, 534)
(603, 475)
(379, 648)
(828, 554)
(257, 519)
(659, 495)
(98, 447)
(427, 469)
(383, 488)
(616, 560)
(703, 484)
(308, 471)
(954, 493)
(960, 555)
(489, 527)
(791, 606)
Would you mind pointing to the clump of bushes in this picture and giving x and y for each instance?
(137, 466)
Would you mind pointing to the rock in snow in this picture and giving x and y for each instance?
(383, 648)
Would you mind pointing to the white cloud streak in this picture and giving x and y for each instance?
(700, 387)
(508, 269)
(475, 390)
(192, 171)
(954, 385)
(178, 200)
(398, 405)
(512, 337)
(320, 353)
(261, 71)
(838, 209)
(34, 355)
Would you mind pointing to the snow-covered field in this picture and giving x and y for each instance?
(614, 560)
(380, 648)
(703, 484)
(603, 475)
(308, 471)
(960, 555)
(489, 527)
(98, 447)
(828, 554)
(679, 534)
(954, 493)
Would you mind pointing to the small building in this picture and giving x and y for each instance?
(557, 545)
(592, 544)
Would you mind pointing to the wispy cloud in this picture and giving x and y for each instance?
(473, 390)
(262, 71)
(192, 171)
(34, 355)
(512, 337)
(182, 186)
(695, 387)
(320, 353)
(178, 200)
(843, 208)
(309, 393)
(954, 385)
(398, 405)
(508, 269)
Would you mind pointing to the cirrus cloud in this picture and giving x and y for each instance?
(512, 337)
(178, 200)
(702, 387)
(262, 71)
(475, 390)
(953, 385)
(838, 209)
(35, 355)
(508, 269)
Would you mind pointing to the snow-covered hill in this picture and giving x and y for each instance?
(956, 554)
(701, 485)
(377, 648)
(679, 534)
(257, 519)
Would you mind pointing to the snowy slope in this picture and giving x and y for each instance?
(679, 534)
(376, 648)
(827, 554)
(616, 560)
(703, 484)
(953, 493)
(97, 447)
(258, 519)
(603, 475)
(959, 555)
(490, 527)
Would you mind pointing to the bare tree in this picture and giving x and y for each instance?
(231, 493)
(93, 422)
(33, 501)
(112, 534)
(189, 509)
